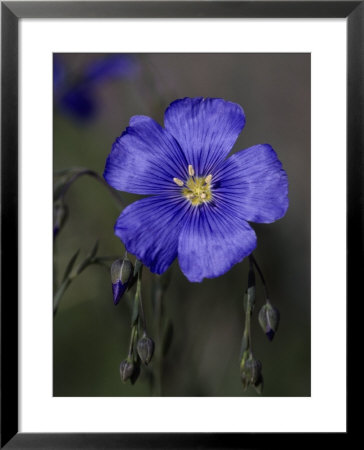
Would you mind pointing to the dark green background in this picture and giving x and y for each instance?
(91, 335)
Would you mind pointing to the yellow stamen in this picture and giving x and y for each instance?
(197, 191)
(178, 182)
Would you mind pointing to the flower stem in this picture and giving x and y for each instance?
(135, 315)
(158, 311)
(137, 299)
(132, 339)
(58, 293)
(249, 301)
(249, 312)
(91, 173)
(261, 277)
(139, 294)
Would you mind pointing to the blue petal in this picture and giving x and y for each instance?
(145, 159)
(206, 129)
(253, 184)
(149, 229)
(212, 241)
(115, 66)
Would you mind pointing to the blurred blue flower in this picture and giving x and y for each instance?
(200, 202)
(76, 97)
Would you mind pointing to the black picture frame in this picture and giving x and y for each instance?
(11, 12)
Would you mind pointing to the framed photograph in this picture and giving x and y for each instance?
(181, 212)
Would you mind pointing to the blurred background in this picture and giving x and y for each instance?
(94, 97)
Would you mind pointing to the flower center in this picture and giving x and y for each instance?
(196, 189)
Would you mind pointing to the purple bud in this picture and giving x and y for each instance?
(60, 214)
(270, 334)
(126, 370)
(145, 348)
(269, 320)
(118, 290)
(121, 274)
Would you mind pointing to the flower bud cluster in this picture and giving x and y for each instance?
(268, 317)
(130, 367)
(141, 346)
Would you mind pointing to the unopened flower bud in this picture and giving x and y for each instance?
(121, 274)
(145, 348)
(126, 370)
(251, 372)
(253, 369)
(269, 320)
(60, 214)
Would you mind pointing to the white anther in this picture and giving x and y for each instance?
(208, 179)
(178, 182)
(191, 172)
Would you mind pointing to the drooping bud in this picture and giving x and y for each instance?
(269, 320)
(121, 274)
(60, 214)
(126, 370)
(145, 348)
(251, 372)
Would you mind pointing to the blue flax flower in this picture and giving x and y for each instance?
(199, 201)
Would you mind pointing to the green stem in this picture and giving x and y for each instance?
(140, 299)
(247, 333)
(247, 329)
(132, 339)
(93, 174)
(158, 297)
(58, 294)
(249, 305)
(249, 311)
(261, 277)
(142, 316)
(135, 312)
